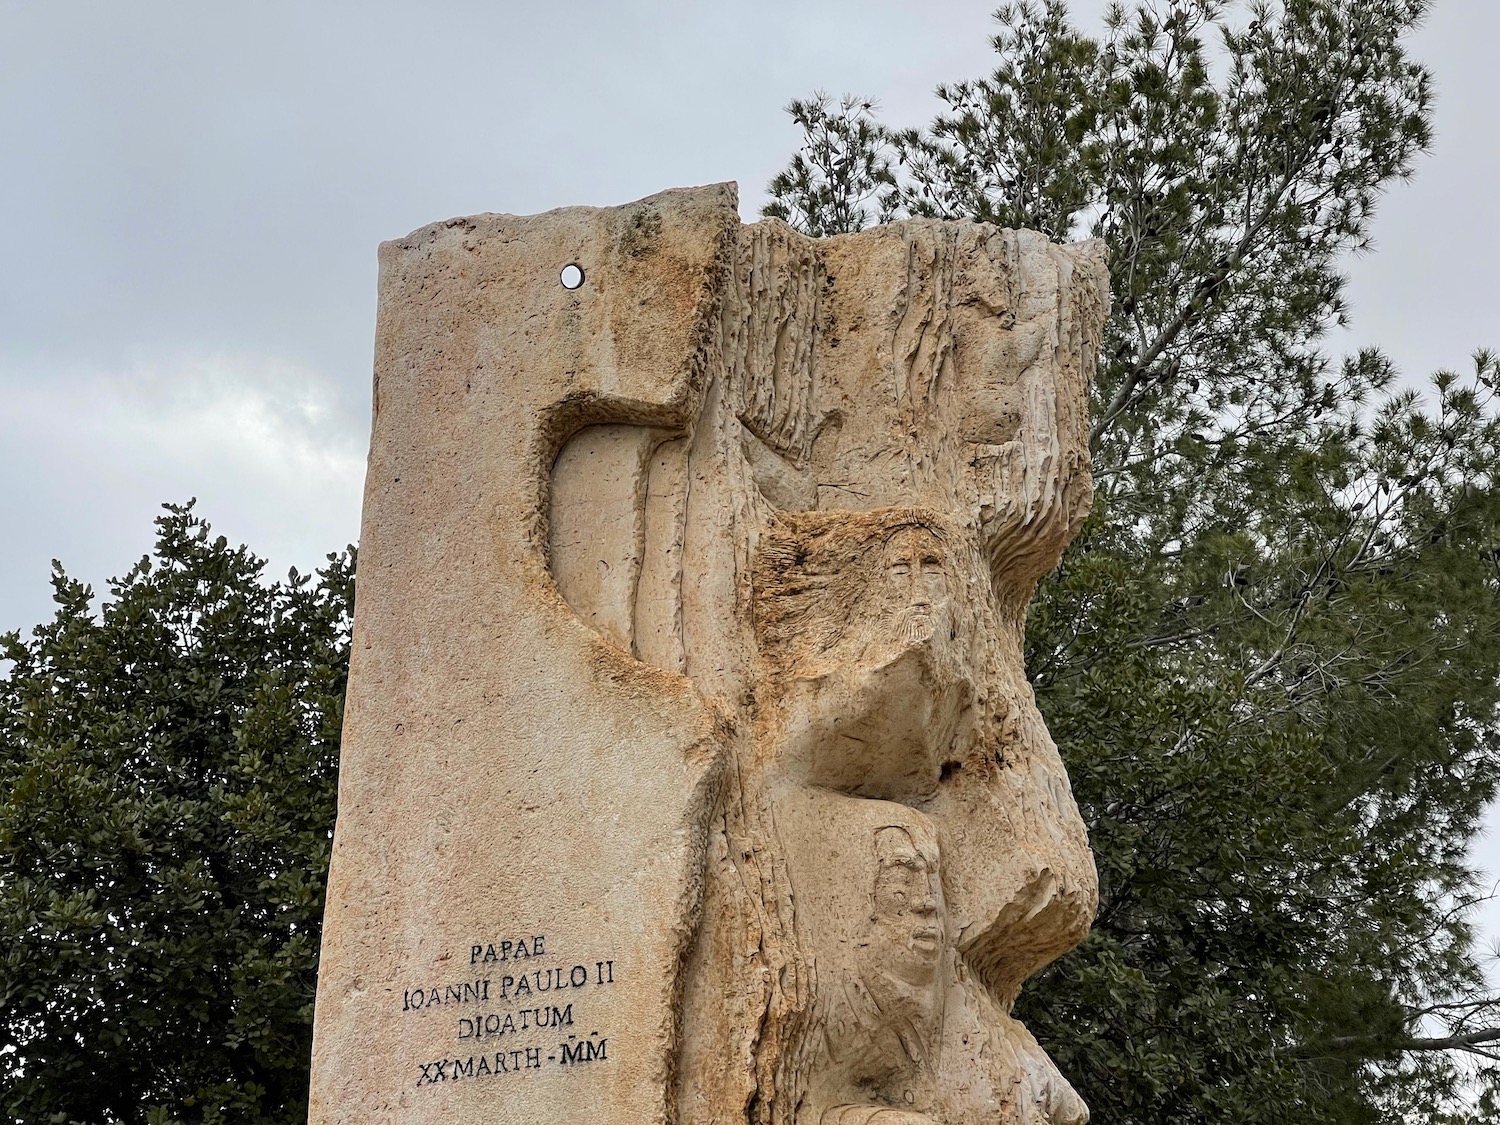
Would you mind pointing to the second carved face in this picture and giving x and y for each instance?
(907, 916)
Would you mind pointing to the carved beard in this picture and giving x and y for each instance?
(916, 627)
(927, 629)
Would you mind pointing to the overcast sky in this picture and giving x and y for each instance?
(193, 196)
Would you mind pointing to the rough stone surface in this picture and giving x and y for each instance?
(690, 772)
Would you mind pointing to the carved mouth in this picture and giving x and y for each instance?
(926, 940)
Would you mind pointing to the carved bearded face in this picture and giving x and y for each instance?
(868, 621)
(917, 580)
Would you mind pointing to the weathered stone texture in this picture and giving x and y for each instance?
(690, 771)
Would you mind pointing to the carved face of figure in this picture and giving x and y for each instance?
(915, 567)
(864, 614)
(907, 907)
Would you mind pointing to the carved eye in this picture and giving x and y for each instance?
(901, 569)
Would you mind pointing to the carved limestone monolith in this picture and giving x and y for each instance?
(690, 772)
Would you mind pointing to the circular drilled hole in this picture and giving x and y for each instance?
(571, 276)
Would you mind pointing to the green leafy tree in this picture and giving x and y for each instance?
(1271, 659)
(167, 780)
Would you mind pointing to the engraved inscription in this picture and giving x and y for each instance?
(583, 1050)
(468, 992)
(504, 950)
(479, 1066)
(516, 1012)
(510, 1023)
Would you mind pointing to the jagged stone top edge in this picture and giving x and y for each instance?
(729, 191)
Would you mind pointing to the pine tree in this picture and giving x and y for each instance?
(1271, 660)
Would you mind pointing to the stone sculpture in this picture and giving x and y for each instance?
(690, 772)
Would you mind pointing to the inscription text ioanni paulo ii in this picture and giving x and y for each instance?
(519, 1011)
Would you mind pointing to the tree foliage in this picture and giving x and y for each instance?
(1271, 660)
(842, 170)
(167, 779)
